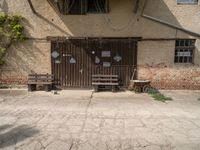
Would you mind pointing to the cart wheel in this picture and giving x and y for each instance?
(137, 89)
(146, 88)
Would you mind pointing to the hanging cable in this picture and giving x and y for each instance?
(58, 5)
(72, 4)
(108, 20)
(68, 1)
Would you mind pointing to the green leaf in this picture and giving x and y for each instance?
(11, 32)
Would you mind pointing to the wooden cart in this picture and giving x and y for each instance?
(140, 85)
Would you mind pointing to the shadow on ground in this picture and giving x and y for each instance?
(10, 136)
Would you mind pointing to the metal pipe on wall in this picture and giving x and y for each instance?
(167, 23)
(31, 6)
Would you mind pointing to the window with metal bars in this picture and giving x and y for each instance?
(184, 51)
(80, 7)
(96, 6)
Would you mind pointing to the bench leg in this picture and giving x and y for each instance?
(34, 87)
(48, 88)
(96, 88)
(31, 87)
(114, 88)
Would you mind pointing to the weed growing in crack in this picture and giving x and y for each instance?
(159, 96)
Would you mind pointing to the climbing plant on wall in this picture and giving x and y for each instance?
(11, 32)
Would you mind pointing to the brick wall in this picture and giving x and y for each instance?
(156, 63)
(171, 78)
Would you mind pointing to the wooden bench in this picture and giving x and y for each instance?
(40, 79)
(99, 80)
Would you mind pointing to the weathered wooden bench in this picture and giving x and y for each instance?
(100, 80)
(40, 79)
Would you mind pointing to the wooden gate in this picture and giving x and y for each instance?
(75, 60)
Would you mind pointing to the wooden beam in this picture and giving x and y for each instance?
(65, 38)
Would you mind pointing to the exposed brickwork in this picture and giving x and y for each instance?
(172, 78)
(14, 81)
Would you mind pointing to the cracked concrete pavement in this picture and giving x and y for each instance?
(83, 120)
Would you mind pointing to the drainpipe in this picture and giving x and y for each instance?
(167, 23)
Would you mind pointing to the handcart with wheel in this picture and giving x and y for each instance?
(140, 85)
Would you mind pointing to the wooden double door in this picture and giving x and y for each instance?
(74, 61)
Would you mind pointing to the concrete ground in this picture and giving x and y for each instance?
(82, 120)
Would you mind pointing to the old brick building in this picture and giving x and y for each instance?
(76, 38)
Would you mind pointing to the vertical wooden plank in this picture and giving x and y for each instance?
(64, 56)
(67, 64)
(69, 75)
(61, 64)
(70, 66)
(52, 63)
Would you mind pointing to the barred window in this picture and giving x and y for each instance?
(184, 51)
(96, 6)
(80, 7)
(187, 1)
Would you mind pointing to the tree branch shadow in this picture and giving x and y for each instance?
(13, 135)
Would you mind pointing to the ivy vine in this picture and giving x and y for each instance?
(11, 32)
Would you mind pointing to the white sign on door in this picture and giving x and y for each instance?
(105, 53)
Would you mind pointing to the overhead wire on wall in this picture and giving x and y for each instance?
(58, 5)
(68, 1)
(72, 4)
(108, 20)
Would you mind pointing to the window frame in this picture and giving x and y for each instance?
(187, 46)
(80, 7)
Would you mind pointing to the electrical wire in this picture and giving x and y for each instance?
(58, 5)
(70, 7)
(72, 4)
(108, 20)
